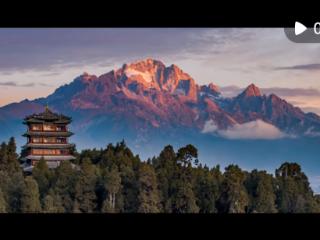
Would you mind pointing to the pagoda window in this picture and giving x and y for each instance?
(49, 127)
(36, 140)
(49, 140)
(37, 151)
(36, 127)
(61, 128)
(61, 140)
(49, 152)
(64, 151)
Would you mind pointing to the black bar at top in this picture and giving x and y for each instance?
(160, 14)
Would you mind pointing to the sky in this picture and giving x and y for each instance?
(34, 62)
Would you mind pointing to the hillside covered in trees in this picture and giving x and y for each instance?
(114, 180)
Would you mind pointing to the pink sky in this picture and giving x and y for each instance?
(34, 62)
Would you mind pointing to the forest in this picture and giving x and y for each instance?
(114, 180)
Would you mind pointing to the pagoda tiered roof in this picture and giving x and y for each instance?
(47, 116)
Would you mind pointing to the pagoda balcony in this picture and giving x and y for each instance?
(49, 145)
(50, 157)
(47, 130)
(47, 140)
(48, 133)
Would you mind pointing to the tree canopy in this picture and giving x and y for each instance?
(114, 180)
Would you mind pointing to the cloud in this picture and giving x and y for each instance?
(308, 67)
(306, 103)
(209, 127)
(251, 130)
(44, 85)
(11, 84)
(310, 132)
(231, 91)
(315, 110)
(292, 91)
(42, 49)
(50, 74)
(39, 49)
(14, 84)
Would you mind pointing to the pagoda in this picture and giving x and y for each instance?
(47, 138)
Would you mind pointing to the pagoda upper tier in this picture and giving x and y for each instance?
(47, 116)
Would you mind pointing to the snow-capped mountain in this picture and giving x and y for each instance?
(147, 100)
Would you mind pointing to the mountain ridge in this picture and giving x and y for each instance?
(146, 98)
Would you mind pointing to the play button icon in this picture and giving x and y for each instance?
(300, 33)
(299, 28)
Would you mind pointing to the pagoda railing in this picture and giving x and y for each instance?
(43, 130)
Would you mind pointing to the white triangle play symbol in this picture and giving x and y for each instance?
(299, 28)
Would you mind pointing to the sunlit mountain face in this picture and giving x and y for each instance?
(149, 105)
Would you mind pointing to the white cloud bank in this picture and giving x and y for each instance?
(209, 127)
(251, 130)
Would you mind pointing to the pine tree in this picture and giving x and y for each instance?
(128, 165)
(42, 175)
(5, 181)
(49, 205)
(183, 199)
(165, 166)
(52, 203)
(234, 197)
(13, 163)
(112, 185)
(85, 196)
(64, 181)
(15, 188)
(3, 204)
(30, 200)
(8, 157)
(294, 193)
(149, 199)
(260, 186)
(3, 157)
(187, 155)
(207, 188)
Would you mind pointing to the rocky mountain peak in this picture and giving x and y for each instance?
(145, 65)
(251, 91)
(87, 77)
(214, 87)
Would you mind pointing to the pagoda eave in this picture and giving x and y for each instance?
(50, 157)
(48, 146)
(26, 122)
(48, 134)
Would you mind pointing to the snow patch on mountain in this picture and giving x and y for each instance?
(145, 75)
